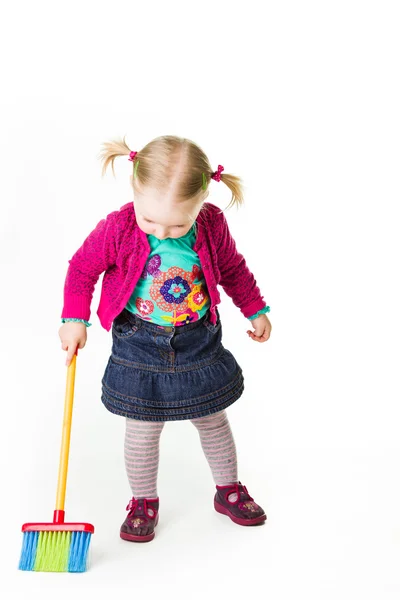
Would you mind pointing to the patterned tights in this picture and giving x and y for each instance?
(142, 452)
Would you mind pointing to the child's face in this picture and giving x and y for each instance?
(157, 214)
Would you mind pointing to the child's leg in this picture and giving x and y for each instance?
(142, 449)
(219, 447)
(232, 498)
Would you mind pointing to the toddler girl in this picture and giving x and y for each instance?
(163, 256)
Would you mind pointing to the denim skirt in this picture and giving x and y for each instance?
(160, 373)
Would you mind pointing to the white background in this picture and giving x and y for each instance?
(302, 101)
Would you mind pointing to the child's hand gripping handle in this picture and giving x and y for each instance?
(65, 441)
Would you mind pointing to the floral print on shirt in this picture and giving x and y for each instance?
(173, 291)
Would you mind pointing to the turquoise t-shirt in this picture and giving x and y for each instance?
(171, 289)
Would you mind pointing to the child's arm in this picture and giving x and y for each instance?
(235, 277)
(97, 253)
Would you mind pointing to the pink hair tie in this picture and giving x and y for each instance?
(217, 175)
(132, 156)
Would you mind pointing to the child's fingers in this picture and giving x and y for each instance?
(256, 338)
(70, 354)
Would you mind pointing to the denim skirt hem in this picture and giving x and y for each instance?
(141, 413)
(169, 373)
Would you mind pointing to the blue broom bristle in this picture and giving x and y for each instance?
(79, 551)
(28, 553)
(55, 551)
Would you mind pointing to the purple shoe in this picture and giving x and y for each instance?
(244, 511)
(141, 520)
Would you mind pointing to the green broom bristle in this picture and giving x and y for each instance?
(53, 551)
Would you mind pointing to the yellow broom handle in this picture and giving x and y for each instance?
(66, 435)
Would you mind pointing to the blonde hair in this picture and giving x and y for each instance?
(169, 157)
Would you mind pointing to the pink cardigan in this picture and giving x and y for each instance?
(118, 247)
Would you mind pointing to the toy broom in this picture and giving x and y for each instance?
(58, 546)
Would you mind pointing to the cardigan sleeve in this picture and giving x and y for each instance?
(235, 277)
(96, 255)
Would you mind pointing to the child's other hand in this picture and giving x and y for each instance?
(262, 329)
(73, 335)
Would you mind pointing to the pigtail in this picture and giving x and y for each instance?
(110, 152)
(234, 183)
